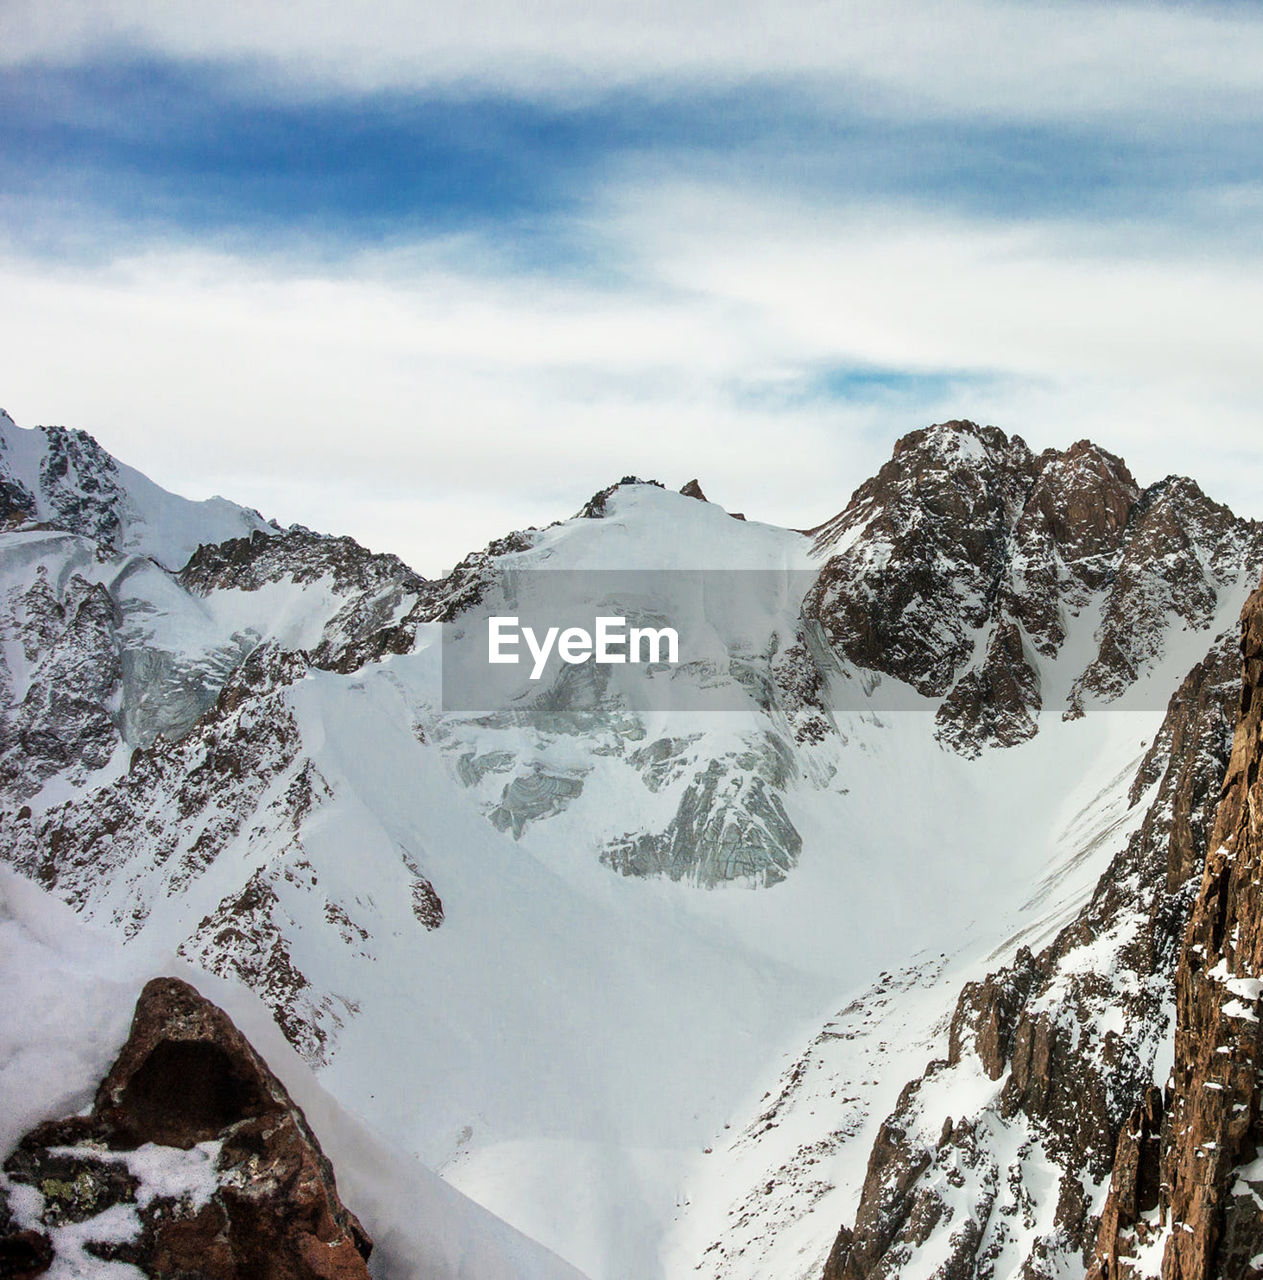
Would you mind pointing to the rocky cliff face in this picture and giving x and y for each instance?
(193, 1161)
(1185, 1191)
(1212, 1138)
(61, 673)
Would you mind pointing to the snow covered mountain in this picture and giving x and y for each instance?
(64, 480)
(648, 978)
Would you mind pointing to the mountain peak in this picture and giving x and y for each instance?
(594, 508)
(958, 440)
(61, 478)
(966, 559)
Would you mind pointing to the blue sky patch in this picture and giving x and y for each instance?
(185, 149)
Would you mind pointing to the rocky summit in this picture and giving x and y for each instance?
(967, 555)
(905, 927)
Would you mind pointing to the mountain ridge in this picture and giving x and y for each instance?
(247, 758)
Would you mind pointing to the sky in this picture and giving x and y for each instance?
(424, 274)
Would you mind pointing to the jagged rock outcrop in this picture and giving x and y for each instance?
(1180, 549)
(1209, 1220)
(193, 1161)
(1069, 1037)
(996, 703)
(914, 563)
(1135, 1186)
(1071, 526)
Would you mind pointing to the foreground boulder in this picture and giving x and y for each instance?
(194, 1161)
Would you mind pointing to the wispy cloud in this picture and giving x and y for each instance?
(771, 350)
(444, 274)
(1050, 60)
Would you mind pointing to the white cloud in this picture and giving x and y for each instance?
(1053, 60)
(424, 405)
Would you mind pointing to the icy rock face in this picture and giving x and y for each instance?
(81, 671)
(61, 675)
(1198, 1207)
(379, 590)
(967, 555)
(727, 819)
(1062, 1045)
(193, 1161)
(731, 823)
(721, 814)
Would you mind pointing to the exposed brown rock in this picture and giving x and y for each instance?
(693, 490)
(987, 1014)
(1215, 1130)
(995, 704)
(187, 1076)
(24, 1254)
(185, 1073)
(1134, 1183)
(906, 595)
(1172, 560)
